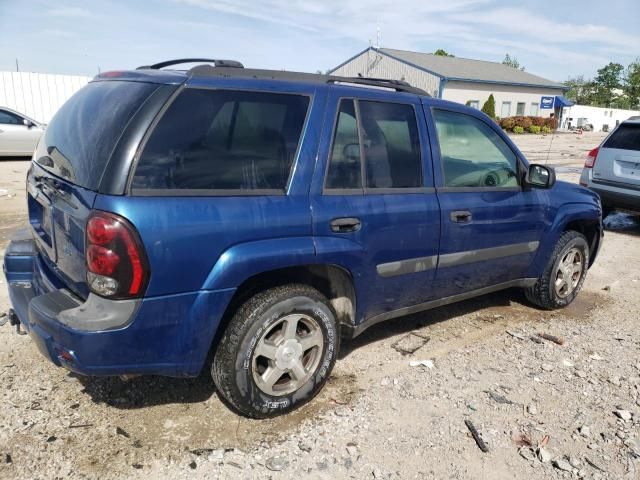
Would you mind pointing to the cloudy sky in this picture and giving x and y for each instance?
(552, 38)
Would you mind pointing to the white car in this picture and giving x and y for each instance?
(19, 134)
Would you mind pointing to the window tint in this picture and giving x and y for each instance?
(391, 145)
(626, 137)
(223, 140)
(344, 164)
(9, 118)
(80, 138)
(472, 153)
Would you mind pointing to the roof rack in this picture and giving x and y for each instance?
(219, 70)
(397, 85)
(168, 63)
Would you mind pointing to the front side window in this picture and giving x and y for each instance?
(473, 154)
(223, 140)
(385, 136)
(7, 118)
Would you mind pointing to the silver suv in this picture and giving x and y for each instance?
(613, 169)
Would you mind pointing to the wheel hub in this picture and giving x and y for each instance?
(288, 353)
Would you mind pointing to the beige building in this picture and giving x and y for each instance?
(461, 80)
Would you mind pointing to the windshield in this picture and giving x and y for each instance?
(81, 136)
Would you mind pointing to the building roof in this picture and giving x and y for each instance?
(466, 69)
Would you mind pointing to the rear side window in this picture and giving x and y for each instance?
(81, 136)
(626, 137)
(344, 164)
(384, 136)
(223, 140)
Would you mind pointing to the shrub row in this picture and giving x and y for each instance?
(530, 124)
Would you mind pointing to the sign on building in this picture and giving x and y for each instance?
(546, 102)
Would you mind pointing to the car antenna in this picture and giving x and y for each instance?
(553, 134)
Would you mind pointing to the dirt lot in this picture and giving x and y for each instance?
(379, 417)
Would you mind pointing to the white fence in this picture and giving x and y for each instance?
(37, 95)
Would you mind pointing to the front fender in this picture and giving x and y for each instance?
(565, 214)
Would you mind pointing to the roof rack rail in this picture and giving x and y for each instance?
(168, 63)
(397, 85)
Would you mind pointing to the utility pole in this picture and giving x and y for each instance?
(17, 66)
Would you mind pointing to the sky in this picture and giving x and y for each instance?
(555, 39)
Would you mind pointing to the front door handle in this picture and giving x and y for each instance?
(460, 216)
(345, 225)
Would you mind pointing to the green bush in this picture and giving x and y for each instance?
(534, 129)
(489, 106)
(518, 129)
(545, 129)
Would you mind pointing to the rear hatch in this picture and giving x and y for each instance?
(68, 166)
(618, 162)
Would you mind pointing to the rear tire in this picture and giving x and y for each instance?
(277, 352)
(564, 274)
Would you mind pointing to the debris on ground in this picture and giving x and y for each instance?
(410, 343)
(552, 338)
(421, 363)
(496, 397)
(476, 436)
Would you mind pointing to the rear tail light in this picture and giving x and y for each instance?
(117, 266)
(591, 158)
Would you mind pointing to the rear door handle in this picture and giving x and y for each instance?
(461, 216)
(345, 225)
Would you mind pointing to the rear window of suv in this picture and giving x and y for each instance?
(223, 141)
(80, 138)
(626, 137)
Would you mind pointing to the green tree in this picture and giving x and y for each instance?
(608, 83)
(631, 84)
(512, 62)
(581, 91)
(489, 106)
(442, 53)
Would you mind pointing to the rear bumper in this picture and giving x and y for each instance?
(169, 335)
(613, 196)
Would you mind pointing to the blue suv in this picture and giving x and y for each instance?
(256, 217)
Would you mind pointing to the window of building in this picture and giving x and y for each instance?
(473, 154)
(506, 110)
(388, 143)
(534, 109)
(224, 140)
(520, 108)
(474, 104)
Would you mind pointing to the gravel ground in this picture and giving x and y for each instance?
(544, 410)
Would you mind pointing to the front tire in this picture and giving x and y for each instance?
(277, 352)
(564, 275)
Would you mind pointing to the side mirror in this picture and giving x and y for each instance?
(540, 176)
(28, 123)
